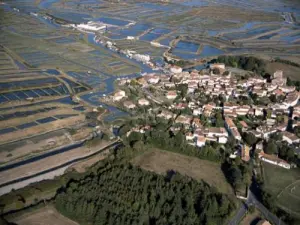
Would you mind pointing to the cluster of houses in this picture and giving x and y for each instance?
(229, 87)
(120, 95)
(144, 58)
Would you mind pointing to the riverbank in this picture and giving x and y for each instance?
(46, 168)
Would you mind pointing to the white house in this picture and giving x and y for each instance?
(217, 66)
(216, 132)
(222, 140)
(265, 131)
(201, 141)
(189, 136)
(129, 105)
(119, 95)
(175, 69)
(274, 160)
(290, 137)
(153, 79)
(197, 111)
(143, 102)
(171, 95)
(166, 114)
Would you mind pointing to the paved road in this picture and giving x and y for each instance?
(239, 215)
(252, 200)
(151, 97)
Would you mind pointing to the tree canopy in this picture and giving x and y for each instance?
(124, 194)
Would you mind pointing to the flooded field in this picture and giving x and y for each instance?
(73, 63)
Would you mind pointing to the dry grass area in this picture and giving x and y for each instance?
(161, 161)
(49, 162)
(288, 70)
(46, 163)
(44, 216)
(252, 218)
(34, 107)
(30, 147)
(22, 120)
(82, 166)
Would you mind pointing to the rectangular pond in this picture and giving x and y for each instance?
(113, 21)
(7, 130)
(46, 120)
(134, 30)
(27, 125)
(210, 51)
(28, 83)
(187, 46)
(150, 37)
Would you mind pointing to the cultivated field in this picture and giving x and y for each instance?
(285, 185)
(43, 216)
(162, 161)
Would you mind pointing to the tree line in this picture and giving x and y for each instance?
(125, 194)
(249, 63)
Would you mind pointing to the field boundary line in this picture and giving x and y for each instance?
(288, 210)
(287, 188)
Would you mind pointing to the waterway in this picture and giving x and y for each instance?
(48, 173)
(39, 157)
(94, 97)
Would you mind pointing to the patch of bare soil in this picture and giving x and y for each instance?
(162, 161)
(44, 216)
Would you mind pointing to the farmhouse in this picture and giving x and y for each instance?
(129, 105)
(143, 102)
(273, 160)
(290, 137)
(201, 141)
(166, 114)
(119, 95)
(175, 69)
(171, 95)
(183, 119)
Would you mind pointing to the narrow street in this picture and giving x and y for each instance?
(252, 200)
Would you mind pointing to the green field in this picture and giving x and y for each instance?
(285, 185)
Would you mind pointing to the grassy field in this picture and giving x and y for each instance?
(44, 216)
(288, 70)
(162, 161)
(285, 185)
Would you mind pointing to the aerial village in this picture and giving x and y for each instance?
(216, 105)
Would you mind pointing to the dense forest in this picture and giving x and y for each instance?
(124, 194)
(243, 62)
